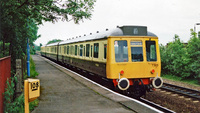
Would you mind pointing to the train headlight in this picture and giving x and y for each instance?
(157, 82)
(123, 84)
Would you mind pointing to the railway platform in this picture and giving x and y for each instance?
(65, 92)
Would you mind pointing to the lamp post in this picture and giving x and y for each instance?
(28, 54)
(195, 26)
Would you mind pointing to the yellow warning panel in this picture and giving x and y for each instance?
(34, 88)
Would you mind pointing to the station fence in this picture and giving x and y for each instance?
(5, 73)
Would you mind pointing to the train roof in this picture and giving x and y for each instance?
(118, 31)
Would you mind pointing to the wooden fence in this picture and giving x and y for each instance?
(5, 73)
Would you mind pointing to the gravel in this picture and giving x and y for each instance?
(175, 102)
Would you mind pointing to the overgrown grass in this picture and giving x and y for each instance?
(175, 78)
(33, 72)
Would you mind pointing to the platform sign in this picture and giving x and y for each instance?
(34, 88)
(31, 92)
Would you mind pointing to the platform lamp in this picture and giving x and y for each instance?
(195, 26)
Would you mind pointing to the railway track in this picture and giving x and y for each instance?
(163, 109)
(195, 94)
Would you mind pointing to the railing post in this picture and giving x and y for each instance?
(19, 77)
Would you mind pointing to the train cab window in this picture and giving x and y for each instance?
(151, 50)
(67, 49)
(96, 50)
(121, 51)
(136, 51)
(81, 50)
(75, 49)
(87, 50)
(105, 50)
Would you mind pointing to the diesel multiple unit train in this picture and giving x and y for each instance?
(127, 56)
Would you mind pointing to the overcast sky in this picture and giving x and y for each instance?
(165, 18)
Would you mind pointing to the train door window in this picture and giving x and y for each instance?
(55, 50)
(67, 49)
(87, 50)
(71, 48)
(75, 49)
(91, 50)
(60, 50)
(96, 50)
(78, 51)
(81, 50)
(151, 50)
(105, 50)
(136, 51)
(121, 51)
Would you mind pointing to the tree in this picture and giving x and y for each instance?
(175, 58)
(193, 49)
(19, 19)
(53, 41)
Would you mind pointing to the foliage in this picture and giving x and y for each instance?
(33, 72)
(19, 20)
(4, 51)
(181, 60)
(53, 41)
(193, 48)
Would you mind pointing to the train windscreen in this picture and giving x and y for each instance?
(121, 51)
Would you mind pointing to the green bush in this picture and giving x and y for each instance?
(181, 60)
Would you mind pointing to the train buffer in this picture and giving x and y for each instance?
(62, 92)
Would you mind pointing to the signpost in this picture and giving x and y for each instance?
(31, 92)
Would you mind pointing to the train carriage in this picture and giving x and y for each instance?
(128, 56)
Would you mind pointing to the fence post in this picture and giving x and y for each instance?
(19, 77)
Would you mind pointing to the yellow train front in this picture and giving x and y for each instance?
(128, 56)
(133, 61)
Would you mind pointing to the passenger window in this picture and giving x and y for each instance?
(136, 51)
(96, 50)
(151, 50)
(105, 50)
(67, 49)
(91, 50)
(121, 51)
(75, 49)
(87, 50)
(81, 50)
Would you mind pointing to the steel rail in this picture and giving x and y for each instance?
(182, 90)
(163, 109)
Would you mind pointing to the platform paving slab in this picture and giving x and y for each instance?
(61, 93)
